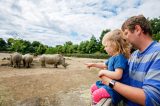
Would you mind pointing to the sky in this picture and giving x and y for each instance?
(54, 22)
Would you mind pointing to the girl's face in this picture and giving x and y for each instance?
(109, 48)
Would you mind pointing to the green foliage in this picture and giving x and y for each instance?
(36, 44)
(95, 56)
(156, 37)
(51, 50)
(82, 47)
(101, 47)
(2, 45)
(92, 45)
(155, 24)
(59, 49)
(103, 33)
(41, 49)
(17, 46)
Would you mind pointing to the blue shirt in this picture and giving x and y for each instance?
(114, 62)
(144, 72)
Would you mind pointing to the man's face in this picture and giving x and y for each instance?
(130, 36)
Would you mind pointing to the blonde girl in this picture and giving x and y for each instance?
(116, 66)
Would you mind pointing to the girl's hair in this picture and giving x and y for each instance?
(117, 41)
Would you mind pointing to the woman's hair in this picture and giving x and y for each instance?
(117, 41)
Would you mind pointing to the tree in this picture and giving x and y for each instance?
(155, 24)
(103, 33)
(35, 44)
(82, 47)
(59, 49)
(67, 47)
(41, 49)
(92, 45)
(17, 45)
(101, 47)
(10, 42)
(3, 45)
(51, 50)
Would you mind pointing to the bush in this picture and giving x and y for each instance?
(95, 56)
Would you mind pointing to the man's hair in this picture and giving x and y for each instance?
(140, 20)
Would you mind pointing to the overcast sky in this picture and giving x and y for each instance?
(53, 22)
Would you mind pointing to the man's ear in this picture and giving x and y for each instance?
(138, 30)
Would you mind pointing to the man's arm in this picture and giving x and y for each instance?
(136, 95)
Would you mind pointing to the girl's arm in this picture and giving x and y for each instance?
(97, 65)
(116, 75)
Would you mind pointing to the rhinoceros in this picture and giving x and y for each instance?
(16, 59)
(27, 60)
(56, 59)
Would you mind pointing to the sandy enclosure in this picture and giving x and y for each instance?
(48, 86)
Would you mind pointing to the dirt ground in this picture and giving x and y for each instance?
(48, 86)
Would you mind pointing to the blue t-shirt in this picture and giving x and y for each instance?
(114, 62)
(144, 72)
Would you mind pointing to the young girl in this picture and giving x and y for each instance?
(115, 68)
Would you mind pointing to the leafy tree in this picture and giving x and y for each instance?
(155, 24)
(69, 43)
(10, 42)
(101, 47)
(17, 46)
(75, 48)
(82, 47)
(41, 49)
(59, 49)
(51, 50)
(3, 44)
(103, 33)
(156, 37)
(27, 48)
(92, 45)
(67, 47)
(36, 44)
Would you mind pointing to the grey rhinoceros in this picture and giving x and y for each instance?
(27, 60)
(16, 59)
(56, 59)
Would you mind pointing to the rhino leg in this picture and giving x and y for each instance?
(55, 66)
(43, 64)
(24, 63)
(11, 64)
(18, 64)
(28, 66)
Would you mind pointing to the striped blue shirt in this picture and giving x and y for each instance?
(144, 72)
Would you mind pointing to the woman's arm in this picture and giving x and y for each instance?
(97, 65)
(116, 75)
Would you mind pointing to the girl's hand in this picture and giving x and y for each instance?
(101, 73)
(89, 64)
